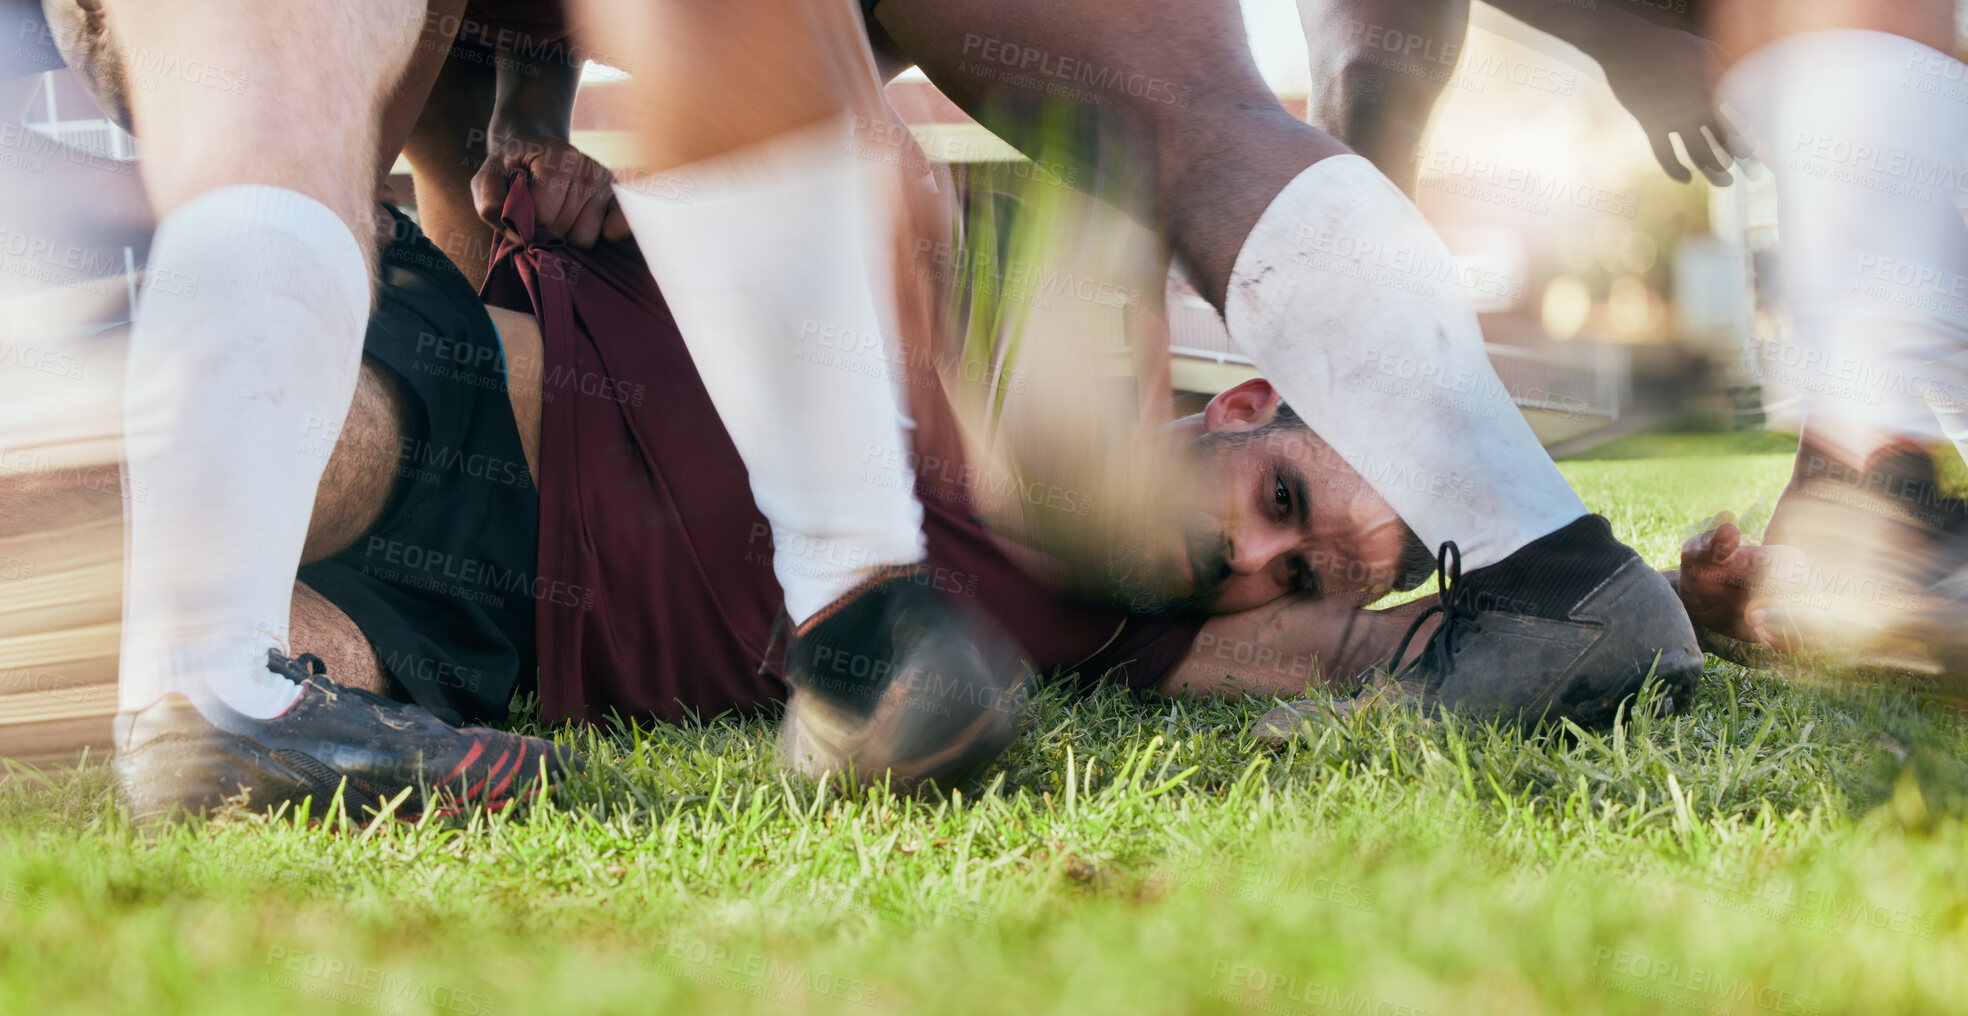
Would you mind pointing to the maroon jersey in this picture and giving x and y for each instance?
(648, 528)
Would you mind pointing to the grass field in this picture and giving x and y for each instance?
(1790, 846)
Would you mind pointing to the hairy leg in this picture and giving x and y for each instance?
(768, 231)
(1371, 87)
(320, 627)
(361, 474)
(235, 378)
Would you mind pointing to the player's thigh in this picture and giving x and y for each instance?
(1150, 69)
(1418, 39)
(280, 92)
(707, 78)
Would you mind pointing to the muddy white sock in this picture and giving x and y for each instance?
(776, 260)
(242, 366)
(1352, 306)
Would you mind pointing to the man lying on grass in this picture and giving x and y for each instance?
(511, 508)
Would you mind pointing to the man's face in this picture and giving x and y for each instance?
(1265, 512)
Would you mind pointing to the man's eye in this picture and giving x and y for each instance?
(1282, 497)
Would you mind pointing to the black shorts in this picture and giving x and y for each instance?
(443, 584)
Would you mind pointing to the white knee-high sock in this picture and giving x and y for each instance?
(1873, 257)
(1352, 306)
(776, 260)
(242, 365)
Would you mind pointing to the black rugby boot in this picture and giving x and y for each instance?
(175, 761)
(1570, 626)
(894, 682)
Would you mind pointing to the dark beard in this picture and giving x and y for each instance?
(1140, 582)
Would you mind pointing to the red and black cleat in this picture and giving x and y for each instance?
(175, 760)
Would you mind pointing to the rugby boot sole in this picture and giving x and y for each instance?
(893, 683)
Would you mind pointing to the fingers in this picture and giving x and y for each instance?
(554, 203)
(488, 187)
(1723, 542)
(587, 222)
(1709, 155)
(1670, 162)
(616, 226)
(1694, 551)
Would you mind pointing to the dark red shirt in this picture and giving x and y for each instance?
(647, 520)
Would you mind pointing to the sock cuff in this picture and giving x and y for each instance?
(254, 234)
(1550, 575)
(786, 160)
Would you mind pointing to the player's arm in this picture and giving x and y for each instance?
(1288, 645)
(531, 129)
(1296, 642)
(1665, 78)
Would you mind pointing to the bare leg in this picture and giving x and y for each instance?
(444, 151)
(1376, 101)
(745, 110)
(230, 379)
(1183, 127)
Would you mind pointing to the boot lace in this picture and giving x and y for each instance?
(1457, 607)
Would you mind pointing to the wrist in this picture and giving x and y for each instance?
(505, 130)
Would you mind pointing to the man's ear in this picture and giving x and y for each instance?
(1246, 406)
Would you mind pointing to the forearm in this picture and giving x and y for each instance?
(533, 99)
(1284, 648)
(1589, 29)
